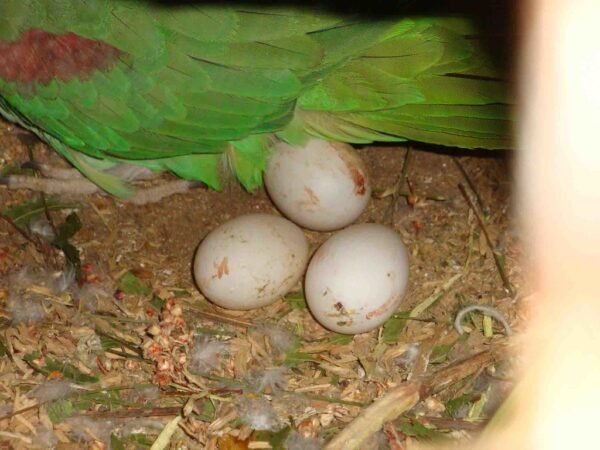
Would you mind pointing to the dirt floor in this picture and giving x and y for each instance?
(133, 350)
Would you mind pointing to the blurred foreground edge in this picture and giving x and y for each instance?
(556, 404)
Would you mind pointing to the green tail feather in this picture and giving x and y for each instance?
(427, 81)
(248, 159)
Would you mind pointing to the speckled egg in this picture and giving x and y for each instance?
(323, 185)
(356, 280)
(250, 261)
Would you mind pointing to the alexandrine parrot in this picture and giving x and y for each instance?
(200, 90)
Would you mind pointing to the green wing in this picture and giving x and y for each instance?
(191, 84)
(199, 89)
(427, 81)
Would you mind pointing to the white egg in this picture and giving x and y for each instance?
(250, 261)
(323, 186)
(356, 280)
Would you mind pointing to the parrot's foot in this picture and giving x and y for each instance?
(70, 182)
(50, 186)
(156, 193)
(126, 172)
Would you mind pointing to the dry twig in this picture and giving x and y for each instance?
(499, 264)
(387, 408)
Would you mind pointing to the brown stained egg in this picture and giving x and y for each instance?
(356, 280)
(250, 261)
(322, 186)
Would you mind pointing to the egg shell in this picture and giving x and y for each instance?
(250, 261)
(323, 186)
(356, 280)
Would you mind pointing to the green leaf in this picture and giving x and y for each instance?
(67, 370)
(208, 411)
(130, 284)
(157, 303)
(439, 353)
(294, 358)
(418, 430)
(275, 438)
(180, 293)
(296, 300)
(393, 328)
(109, 398)
(108, 342)
(454, 406)
(59, 410)
(23, 214)
(476, 411)
(139, 440)
(134, 440)
(116, 443)
(341, 339)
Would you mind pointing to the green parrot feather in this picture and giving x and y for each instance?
(198, 90)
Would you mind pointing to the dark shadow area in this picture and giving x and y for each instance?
(442, 150)
(494, 19)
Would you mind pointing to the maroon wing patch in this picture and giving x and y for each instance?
(40, 57)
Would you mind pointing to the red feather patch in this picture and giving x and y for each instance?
(40, 57)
